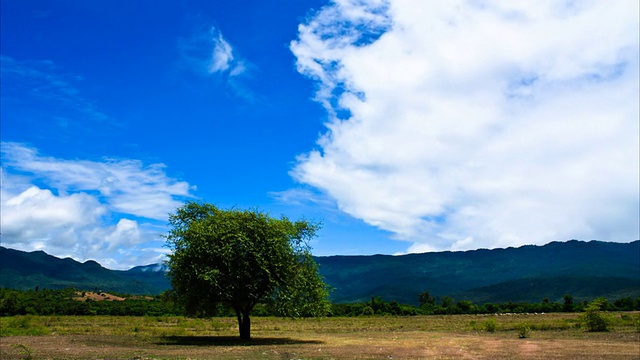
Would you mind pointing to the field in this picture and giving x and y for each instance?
(534, 336)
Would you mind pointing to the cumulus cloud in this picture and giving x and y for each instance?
(114, 208)
(31, 213)
(477, 124)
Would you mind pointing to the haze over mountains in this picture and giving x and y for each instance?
(585, 270)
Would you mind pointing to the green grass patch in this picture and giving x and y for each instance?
(160, 326)
(22, 325)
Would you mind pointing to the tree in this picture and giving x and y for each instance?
(238, 258)
(592, 319)
(568, 303)
(446, 302)
(426, 300)
(465, 307)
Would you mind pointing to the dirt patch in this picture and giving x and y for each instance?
(101, 296)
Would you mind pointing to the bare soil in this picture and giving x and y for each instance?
(102, 296)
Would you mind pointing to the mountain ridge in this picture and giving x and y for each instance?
(527, 273)
(27, 270)
(459, 274)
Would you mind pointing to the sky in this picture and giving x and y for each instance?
(402, 125)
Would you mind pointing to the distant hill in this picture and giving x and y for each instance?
(529, 273)
(585, 270)
(26, 270)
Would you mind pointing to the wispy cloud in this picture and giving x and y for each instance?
(222, 55)
(321, 43)
(301, 196)
(80, 208)
(209, 53)
(40, 85)
(125, 185)
(465, 125)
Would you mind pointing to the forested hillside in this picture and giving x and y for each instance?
(28, 270)
(586, 270)
(528, 273)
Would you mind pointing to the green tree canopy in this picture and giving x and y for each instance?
(426, 300)
(239, 258)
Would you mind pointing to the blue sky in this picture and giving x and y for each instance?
(402, 126)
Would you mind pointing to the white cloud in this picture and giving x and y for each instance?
(109, 210)
(222, 56)
(299, 197)
(465, 125)
(208, 52)
(35, 213)
(124, 185)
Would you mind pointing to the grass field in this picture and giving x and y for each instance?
(420, 337)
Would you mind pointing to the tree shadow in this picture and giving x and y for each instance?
(230, 341)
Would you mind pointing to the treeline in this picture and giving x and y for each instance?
(429, 305)
(65, 302)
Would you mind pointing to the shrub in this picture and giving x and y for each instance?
(592, 319)
(367, 311)
(523, 330)
(25, 351)
(490, 325)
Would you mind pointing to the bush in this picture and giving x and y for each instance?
(592, 319)
(490, 325)
(523, 330)
(367, 311)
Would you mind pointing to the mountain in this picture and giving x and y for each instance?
(26, 270)
(585, 270)
(529, 273)
(154, 275)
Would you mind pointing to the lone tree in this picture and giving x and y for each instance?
(239, 258)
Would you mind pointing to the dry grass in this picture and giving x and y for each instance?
(102, 296)
(423, 337)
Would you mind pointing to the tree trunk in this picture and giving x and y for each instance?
(244, 324)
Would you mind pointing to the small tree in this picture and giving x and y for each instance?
(568, 303)
(426, 300)
(239, 258)
(593, 319)
(446, 302)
